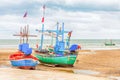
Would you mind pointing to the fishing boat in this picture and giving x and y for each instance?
(20, 60)
(23, 58)
(57, 54)
(67, 60)
(110, 43)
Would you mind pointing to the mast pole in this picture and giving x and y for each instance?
(41, 45)
(57, 34)
(62, 32)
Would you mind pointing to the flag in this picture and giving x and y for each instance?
(25, 15)
(43, 10)
(42, 19)
(43, 6)
(69, 33)
(43, 14)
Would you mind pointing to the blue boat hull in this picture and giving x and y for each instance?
(24, 62)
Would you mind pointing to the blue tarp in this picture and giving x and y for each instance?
(73, 47)
(25, 48)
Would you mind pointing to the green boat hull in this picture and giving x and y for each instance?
(57, 60)
(109, 44)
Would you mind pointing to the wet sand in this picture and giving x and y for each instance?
(106, 62)
(17, 74)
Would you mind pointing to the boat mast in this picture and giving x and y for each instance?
(24, 35)
(20, 35)
(62, 32)
(41, 45)
(57, 31)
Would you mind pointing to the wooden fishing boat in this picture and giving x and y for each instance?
(20, 60)
(68, 57)
(67, 60)
(56, 54)
(23, 58)
(110, 43)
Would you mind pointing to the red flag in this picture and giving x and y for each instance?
(69, 33)
(25, 15)
(42, 19)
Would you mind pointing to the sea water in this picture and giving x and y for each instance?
(96, 44)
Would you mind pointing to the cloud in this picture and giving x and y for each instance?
(19, 7)
(86, 5)
(86, 18)
(100, 2)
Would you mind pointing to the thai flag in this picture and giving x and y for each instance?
(25, 15)
(42, 19)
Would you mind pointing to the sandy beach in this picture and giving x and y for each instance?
(104, 62)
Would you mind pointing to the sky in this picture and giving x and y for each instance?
(88, 19)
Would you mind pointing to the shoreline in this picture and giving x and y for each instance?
(87, 48)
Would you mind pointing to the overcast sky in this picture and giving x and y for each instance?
(88, 19)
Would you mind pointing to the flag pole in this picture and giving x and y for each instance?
(24, 29)
(41, 45)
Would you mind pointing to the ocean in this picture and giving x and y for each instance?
(96, 44)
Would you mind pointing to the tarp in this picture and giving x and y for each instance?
(20, 55)
(74, 47)
(25, 48)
